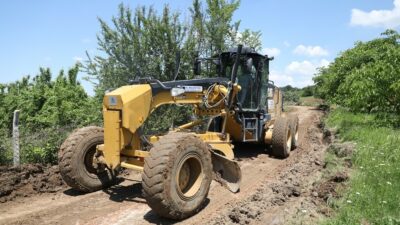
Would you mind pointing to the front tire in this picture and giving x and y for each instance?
(75, 160)
(177, 175)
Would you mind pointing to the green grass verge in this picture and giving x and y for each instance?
(310, 101)
(373, 196)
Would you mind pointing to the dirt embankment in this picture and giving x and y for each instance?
(28, 180)
(273, 191)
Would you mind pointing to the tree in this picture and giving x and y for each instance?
(213, 28)
(291, 94)
(142, 44)
(308, 91)
(366, 77)
(249, 38)
(49, 110)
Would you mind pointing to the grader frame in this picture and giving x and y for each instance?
(177, 169)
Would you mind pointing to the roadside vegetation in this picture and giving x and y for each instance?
(373, 194)
(300, 96)
(364, 78)
(50, 108)
(362, 86)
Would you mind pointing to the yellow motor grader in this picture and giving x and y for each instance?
(241, 105)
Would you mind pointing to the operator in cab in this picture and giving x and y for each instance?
(246, 82)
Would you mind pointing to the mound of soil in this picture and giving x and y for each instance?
(328, 189)
(27, 180)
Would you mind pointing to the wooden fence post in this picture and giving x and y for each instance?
(16, 138)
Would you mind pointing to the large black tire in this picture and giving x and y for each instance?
(75, 160)
(294, 128)
(177, 175)
(281, 138)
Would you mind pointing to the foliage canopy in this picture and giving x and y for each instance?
(49, 110)
(365, 78)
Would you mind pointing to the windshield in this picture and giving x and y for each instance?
(246, 80)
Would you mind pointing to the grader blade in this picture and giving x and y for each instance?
(226, 172)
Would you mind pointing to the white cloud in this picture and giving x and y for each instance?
(281, 79)
(377, 18)
(298, 74)
(310, 51)
(77, 59)
(305, 67)
(271, 51)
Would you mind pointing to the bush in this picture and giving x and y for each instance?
(43, 145)
(307, 91)
(291, 97)
(6, 155)
(49, 110)
(366, 77)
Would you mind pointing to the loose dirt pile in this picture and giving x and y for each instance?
(28, 180)
(328, 189)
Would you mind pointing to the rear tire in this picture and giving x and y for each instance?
(177, 175)
(281, 138)
(75, 160)
(294, 128)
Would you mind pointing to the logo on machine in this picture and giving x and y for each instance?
(112, 101)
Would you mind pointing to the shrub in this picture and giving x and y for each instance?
(366, 77)
(291, 97)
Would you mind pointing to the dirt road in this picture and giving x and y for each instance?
(272, 191)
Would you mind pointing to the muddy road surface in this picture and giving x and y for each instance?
(273, 191)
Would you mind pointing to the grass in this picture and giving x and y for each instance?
(310, 101)
(333, 165)
(373, 196)
(303, 101)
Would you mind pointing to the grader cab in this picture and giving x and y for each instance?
(241, 105)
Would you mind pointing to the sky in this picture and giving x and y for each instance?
(302, 35)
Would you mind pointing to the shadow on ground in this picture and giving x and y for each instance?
(250, 151)
(118, 192)
(153, 218)
(121, 193)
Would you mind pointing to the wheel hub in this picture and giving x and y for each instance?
(184, 176)
(89, 160)
(189, 176)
